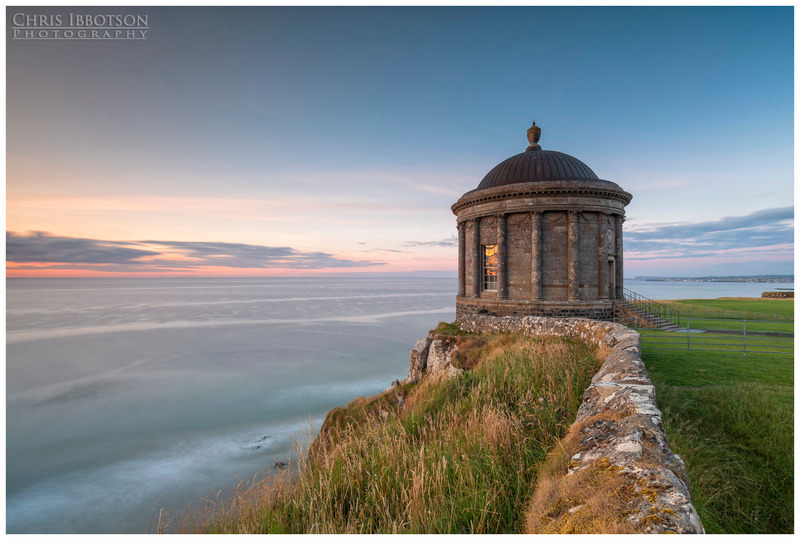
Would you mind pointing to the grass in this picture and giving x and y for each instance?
(465, 454)
(732, 343)
(752, 309)
(738, 325)
(731, 420)
(459, 455)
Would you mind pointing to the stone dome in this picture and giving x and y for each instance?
(536, 165)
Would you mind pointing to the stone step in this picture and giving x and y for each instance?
(658, 322)
(671, 327)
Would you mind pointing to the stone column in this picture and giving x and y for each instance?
(536, 255)
(462, 259)
(476, 258)
(602, 256)
(572, 255)
(618, 263)
(502, 270)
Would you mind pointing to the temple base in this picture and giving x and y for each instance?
(599, 310)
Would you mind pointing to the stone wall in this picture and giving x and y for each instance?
(777, 294)
(590, 239)
(599, 310)
(551, 262)
(518, 256)
(618, 425)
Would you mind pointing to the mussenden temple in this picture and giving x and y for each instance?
(540, 235)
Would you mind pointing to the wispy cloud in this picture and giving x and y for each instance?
(382, 250)
(768, 230)
(447, 242)
(60, 252)
(44, 247)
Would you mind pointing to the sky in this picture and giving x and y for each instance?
(308, 140)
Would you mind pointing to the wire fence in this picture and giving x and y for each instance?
(740, 337)
(658, 312)
(696, 312)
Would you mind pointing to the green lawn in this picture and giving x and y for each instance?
(755, 309)
(731, 419)
(733, 343)
(751, 325)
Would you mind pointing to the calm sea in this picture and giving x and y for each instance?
(127, 395)
(675, 290)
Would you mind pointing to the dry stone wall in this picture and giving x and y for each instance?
(777, 294)
(618, 423)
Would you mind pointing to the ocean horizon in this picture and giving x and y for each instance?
(126, 395)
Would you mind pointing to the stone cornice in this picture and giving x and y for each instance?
(552, 188)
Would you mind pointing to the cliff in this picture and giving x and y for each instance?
(504, 425)
(613, 472)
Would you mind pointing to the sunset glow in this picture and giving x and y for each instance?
(219, 154)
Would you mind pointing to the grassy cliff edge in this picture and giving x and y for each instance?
(445, 455)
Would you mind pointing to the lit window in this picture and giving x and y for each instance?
(490, 267)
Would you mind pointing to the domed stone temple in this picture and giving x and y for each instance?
(540, 235)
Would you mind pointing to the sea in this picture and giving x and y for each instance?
(126, 396)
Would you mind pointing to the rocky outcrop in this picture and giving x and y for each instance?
(441, 356)
(418, 360)
(434, 354)
(617, 431)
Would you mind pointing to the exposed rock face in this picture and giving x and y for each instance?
(433, 354)
(440, 356)
(618, 425)
(418, 360)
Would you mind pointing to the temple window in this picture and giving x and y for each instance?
(490, 262)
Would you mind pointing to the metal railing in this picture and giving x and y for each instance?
(650, 309)
(738, 337)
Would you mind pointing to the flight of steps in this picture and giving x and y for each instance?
(633, 315)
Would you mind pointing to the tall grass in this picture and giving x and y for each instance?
(461, 454)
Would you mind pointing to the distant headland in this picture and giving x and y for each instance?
(781, 278)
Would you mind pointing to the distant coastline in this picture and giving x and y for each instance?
(724, 279)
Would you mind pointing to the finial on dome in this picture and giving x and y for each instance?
(534, 133)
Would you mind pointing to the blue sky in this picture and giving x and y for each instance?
(283, 141)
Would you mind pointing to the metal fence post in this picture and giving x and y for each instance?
(744, 336)
(688, 347)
